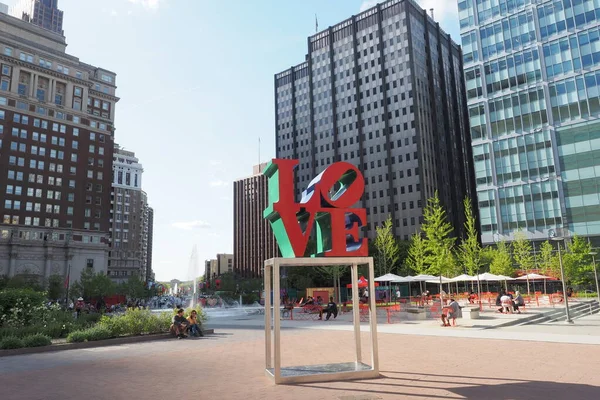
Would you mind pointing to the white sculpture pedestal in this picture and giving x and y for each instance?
(322, 372)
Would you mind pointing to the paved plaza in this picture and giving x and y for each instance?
(229, 365)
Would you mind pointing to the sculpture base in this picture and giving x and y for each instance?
(324, 373)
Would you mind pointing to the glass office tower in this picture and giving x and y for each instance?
(532, 76)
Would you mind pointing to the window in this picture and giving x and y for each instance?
(26, 57)
(8, 51)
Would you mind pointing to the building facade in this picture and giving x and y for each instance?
(43, 13)
(56, 145)
(532, 75)
(382, 90)
(147, 243)
(129, 218)
(253, 239)
(216, 267)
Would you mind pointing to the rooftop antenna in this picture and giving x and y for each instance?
(316, 24)
(431, 11)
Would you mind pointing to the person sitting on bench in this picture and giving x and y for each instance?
(330, 309)
(180, 324)
(452, 310)
(518, 301)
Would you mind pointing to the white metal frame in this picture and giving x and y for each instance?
(273, 364)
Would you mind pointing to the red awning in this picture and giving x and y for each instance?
(362, 283)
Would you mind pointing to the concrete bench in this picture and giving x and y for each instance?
(470, 312)
(419, 312)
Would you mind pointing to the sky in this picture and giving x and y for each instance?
(195, 79)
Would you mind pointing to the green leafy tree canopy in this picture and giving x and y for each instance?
(386, 245)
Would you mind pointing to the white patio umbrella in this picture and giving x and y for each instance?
(464, 278)
(438, 278)
(388, 278)
(534, 276)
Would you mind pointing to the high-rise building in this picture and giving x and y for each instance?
(382, 90)
(210, 267)
(147, 248)
(129, 218)
(56, 147)
(43, 13)
(214, 268)
(532, 76)
(253, 239)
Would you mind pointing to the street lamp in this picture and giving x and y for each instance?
(562, 276)
(593, 254)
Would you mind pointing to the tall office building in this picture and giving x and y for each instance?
(147, 248)
(129, 218)
(253, 239)
(43, 13)
(382, 90)
(532, 76)
(56, 146)
(214, 268)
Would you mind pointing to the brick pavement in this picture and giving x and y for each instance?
(230, 366)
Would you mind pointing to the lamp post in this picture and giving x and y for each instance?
(562, 276)
(593, 254)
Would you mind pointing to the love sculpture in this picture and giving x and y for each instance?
(325, 209)
(325, 204)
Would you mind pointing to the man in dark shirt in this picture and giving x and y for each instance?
(330, 309)
(180, 324)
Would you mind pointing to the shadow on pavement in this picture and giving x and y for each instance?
(433, 386)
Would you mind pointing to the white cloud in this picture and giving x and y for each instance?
(214, 163)
(188, 226)
(149, 4)
(218, 183)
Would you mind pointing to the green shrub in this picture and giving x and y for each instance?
(98, 333)
(11, 342)
(20, 307)
(77, 337)
(136, 322)
(201, 314)
(38, 340)
(90, 335)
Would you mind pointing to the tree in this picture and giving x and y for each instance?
(334, 273)
(470, 248)
(92, 285)
(548, 260)
(577, 261)
(501, 261)
(387, 249)
(403, 269)
(438, 242)
(416, 254)
(133, 288)
(522, 251)
(55, 287)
